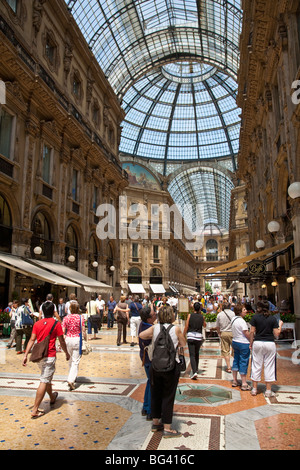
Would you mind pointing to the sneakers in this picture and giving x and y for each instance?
(193, 376)
(270, 394)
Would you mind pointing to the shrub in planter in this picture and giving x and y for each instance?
(210, 317)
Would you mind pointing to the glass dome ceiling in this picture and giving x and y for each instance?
(182, 111)
(173, 65)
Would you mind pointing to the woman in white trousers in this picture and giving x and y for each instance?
(264, 330)
(71, 328)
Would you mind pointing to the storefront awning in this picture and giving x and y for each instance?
(174, 289)
(136, 288)
(89, 284)
(157, 288)
(240, 264)
(20, 265)
(188, 291)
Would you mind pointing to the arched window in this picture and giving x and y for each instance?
(211, 250)
(134, 276)
(41, 237)
(5, 226)
(155, 276)
(71, 250)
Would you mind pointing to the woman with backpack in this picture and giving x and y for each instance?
(165, 369)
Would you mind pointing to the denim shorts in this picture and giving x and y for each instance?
(241, 357)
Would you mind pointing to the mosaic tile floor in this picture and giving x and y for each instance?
(105, 408)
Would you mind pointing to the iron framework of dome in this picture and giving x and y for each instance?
(173, 65)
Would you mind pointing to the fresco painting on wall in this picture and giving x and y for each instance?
(140, 177)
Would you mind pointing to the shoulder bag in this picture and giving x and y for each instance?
(182, 363)
(84, 347)
(40, 350)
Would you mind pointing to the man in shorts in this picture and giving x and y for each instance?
(41, 329)
(224, 330)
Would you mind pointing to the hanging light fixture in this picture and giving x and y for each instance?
(71, 258)
(37, 250)
(294, 190)
(273, 226)
(260, 244)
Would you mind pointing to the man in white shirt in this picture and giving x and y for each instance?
(101, 306)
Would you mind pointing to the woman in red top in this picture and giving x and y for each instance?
(71, 327)
(40, 330)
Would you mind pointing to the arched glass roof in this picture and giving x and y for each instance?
(131, 37)
(204, 194)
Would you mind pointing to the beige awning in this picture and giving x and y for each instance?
(21, 265)
(157, 288)
(239, 264)
(89, 284)
(136, 288)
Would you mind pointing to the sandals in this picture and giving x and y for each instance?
(38, 415)
(246, 388)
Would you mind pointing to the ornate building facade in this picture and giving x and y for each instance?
(269, 157)
(154, 260)
(60, 131)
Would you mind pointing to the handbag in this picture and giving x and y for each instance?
(26, 318)
(84, 347)
(40, 350)
(182, 363)
(150, 349)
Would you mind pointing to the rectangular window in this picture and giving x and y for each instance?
(95, 199)
(50, 50)
(135, 252)
(75, 185)
(6, 125)
(76, 87)
(47, 164)
(155, 253)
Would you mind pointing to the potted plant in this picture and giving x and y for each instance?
(210, 319)
(4, 322)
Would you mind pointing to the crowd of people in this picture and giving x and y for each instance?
(150, 319)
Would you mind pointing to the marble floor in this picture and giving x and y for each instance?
(104, 411)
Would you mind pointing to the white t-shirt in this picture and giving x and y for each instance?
(100, 304)
(239, 325)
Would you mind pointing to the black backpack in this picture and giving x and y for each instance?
(163, 359)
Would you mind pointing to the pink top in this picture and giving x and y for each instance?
(72, 324)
